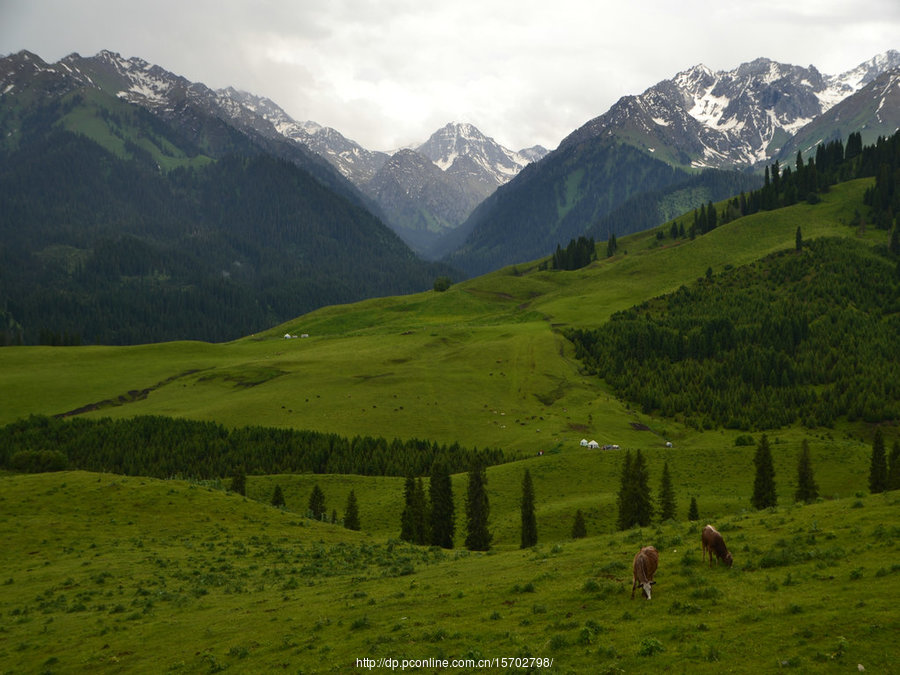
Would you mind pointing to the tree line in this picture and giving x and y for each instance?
(165, 447)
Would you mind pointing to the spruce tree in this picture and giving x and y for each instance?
(693, 512)
(893, 479)
(529, 522)
(442, 512)
(478, 537)
(764, 494)
(623, 499)
(611, 246)
(277, 497)
(807, 490)
(579, 529)
(316, 507)
(798, 240)
(878, 466)
(667, 507)
(407, 517)
(421, 529)
(634, 499)
(239, 482)
(351, 512)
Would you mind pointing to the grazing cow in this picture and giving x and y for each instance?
(713, 543)
(645, 564)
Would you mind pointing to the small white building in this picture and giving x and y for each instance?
(584, 442)
(593, 444)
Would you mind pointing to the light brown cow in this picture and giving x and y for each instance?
(645, 563)
(713, 542)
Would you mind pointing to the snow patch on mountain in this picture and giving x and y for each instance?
(727, 118)
(458, 139)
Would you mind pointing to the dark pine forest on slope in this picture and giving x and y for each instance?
(804, 336)
(104, 247)
(163, 447)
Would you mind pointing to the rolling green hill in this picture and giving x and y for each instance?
(109, 574)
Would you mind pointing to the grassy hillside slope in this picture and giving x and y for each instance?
(109, 574)
(480, 364)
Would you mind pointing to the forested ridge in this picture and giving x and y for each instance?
(804, 336)
(833, 162)
(164, 447)
(98, 247)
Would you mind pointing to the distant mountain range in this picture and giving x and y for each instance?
(423, 192)
(737, 118)
(459, 197)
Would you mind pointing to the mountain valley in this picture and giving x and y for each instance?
(207, 323)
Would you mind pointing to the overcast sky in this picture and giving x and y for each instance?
(388, 73)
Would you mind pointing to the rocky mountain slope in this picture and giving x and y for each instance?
(740, 117)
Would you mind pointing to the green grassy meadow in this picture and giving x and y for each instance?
(482, 364)
(126, 574)
(104, 573)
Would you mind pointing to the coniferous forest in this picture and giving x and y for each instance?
(104, 250)
(165, 447)
(804, 336)
(834, 162)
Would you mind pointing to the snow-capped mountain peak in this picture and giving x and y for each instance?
(738, 117)
(460, 139)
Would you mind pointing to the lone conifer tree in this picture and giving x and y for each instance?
(239, 482)
(634, 500)
(807, 490)
(277, 497)
(693, 512)
(667, 506)
(351, 512)
(316, 505)
(611, 246)
(878, 472)
(798, 240)
(440, 491)
(406, 517)
(420, 515)
(529, 522)
(579, 529)
(478, 537)
(414, 519)
(623, 499)
(893, 479)
(764, 483)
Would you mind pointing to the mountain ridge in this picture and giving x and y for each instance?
(720, 119)
(697, 120)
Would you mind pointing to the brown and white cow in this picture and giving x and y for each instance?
(714, 544)
(645, 563)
